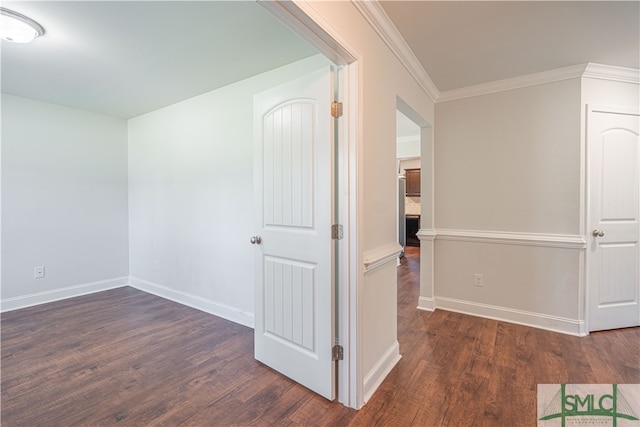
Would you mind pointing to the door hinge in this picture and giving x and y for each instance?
(336, 109)
(336, 232)
(337, 353)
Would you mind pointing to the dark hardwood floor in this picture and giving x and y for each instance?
(123, 357)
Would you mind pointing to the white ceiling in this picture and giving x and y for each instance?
(124, 58)
(461, 44)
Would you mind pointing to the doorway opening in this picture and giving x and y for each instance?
(408, 166)
(414, 149)
(301, 21)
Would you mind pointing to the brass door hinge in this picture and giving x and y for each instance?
(337, 353)
(336, 232)
(336, 109)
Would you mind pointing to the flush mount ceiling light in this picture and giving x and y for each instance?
(17, 28)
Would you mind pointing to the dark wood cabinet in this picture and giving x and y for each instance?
(413, 182)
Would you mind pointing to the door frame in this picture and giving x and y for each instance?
(302, 19)
(586, 270)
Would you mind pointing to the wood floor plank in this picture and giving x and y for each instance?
(126, 358)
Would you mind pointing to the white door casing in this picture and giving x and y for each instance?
(293, 175)
(613, 150)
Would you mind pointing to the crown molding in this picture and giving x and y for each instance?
(610, 72)
(589, 70)
(375, 15)
(373, 12)
(551, 76)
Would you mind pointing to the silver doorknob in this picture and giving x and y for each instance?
(597, 233)
(256, 240)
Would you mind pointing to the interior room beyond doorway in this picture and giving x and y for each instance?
(408, 167)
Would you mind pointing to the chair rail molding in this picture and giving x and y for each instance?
(565, 241)
(380, 256)
(425, 234)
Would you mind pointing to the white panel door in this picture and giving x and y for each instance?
(294, 312)
(614, 255)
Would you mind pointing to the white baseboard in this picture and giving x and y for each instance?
(61, 293)
(221, 310)
(427, 304)
(380, 371)
(520, 317)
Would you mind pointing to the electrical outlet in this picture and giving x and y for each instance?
(478, 279)
(38, 272)
(156, 265)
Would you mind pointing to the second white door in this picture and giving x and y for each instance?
(614, 253)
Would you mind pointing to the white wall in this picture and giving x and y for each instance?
(191, 197)
(510, 161)
(610, 93)
(407, 137)
(382, 79)
(511, 197)
(408, 147)
(508, 205)
(64, 202)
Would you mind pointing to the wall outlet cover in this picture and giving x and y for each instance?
(478, 279)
